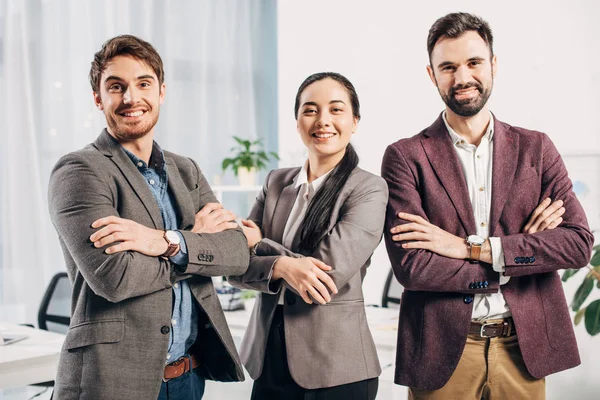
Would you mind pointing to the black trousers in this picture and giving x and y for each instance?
(276, 383)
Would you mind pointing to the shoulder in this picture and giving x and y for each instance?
(281, 176)
(88, 156)
(361, 182)
(523, 133)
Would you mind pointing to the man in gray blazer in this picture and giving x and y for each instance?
(142, 234)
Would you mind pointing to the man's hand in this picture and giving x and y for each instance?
(252, 232)
(306, 275)
(420, 234)
(131, 235)
(547, 215)
(213, 218)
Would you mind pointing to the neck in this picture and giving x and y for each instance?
(319, 166)
(472, 129)
(141, 146)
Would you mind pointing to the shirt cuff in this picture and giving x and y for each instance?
(498, 263)
(181, 258)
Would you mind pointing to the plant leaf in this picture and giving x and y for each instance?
(579, 316)
(272, 153)
(569, 273)
(582, 293)
(595, 259)
(592, 318)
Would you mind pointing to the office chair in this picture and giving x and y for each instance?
(392, 291)
(55, 309)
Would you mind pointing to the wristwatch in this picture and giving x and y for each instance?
(173, 240)
(475, 243)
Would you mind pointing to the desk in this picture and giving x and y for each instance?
(383, 323)
(29, 361)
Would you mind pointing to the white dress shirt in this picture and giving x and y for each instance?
(305, 194)
(476, 162)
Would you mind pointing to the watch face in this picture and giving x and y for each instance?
(475, 239)
(173, 237)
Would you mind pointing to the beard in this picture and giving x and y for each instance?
(126, 131)
(467, 107)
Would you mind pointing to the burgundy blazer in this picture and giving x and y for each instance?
(425, 177)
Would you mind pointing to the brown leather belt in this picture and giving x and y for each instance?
(179, 367)
(493, 328)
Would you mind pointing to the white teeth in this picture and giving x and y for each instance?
(134, 114)
(324, 135)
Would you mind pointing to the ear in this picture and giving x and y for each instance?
(431, 75)
(163, 90)
(494, 66)
(354, 125)
(98, 101)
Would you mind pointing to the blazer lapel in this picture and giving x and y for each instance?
(444, 161)
(283, 208)
(181, 194)
(108, 146)
(505, 160)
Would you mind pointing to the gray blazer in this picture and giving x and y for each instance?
(327, 345)
(121, 306)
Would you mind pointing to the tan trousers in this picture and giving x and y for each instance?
(489, 369)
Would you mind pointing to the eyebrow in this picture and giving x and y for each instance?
(446, 63)
(139, 78)
(312, 103)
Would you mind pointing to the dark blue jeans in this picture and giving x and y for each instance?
(188, 386)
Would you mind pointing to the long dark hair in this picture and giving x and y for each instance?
(321, 206)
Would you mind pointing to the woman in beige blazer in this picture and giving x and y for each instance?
(312, 232)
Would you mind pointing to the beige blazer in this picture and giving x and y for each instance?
(327, 345)
(121, 305)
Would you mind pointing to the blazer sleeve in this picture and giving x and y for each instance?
(567, 246)
(214, 254)
(347, 246)
(419, 269)
(260, 270)
(77, 196)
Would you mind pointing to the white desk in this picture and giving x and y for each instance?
(382, 321)
(31, 360)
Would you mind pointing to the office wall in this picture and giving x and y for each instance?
(548, 79)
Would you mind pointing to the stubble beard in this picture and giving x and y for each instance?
(468, 107)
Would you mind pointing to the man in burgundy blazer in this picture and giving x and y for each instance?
(431, 212)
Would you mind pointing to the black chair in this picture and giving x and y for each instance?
(55, 310)
(392, 291)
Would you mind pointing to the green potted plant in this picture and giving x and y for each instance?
(591, 312)
(249, 158)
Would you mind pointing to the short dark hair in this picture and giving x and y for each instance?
(454, 25)
(341, 79)
(125, 45)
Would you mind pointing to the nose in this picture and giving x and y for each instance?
(130, 96)
(324, 119)
(462, 75)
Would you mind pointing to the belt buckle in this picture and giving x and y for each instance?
(483, 325)
(173, 364)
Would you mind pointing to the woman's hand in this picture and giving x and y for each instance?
(252, 232)
(307, 276)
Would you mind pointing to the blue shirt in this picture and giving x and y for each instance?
(184, 322)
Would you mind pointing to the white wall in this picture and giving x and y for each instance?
(548, 80)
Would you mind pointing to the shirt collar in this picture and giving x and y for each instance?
(157, 158)
(456, 138)
(302, 177)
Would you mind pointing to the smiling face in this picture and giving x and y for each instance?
(130, 97)
(463, 71)
(325, 119)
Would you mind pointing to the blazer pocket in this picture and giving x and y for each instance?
(94, 332)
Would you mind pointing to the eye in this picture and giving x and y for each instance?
(309, 111)
(448, 68)
(337, 110)
(475, 63)
(115, 87)
(145, 84)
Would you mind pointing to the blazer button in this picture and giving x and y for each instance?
(531, 259)
(485, 284)
(472, 285)
(468, 299)
(165, 329)
(210, 257)
(518, 260)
